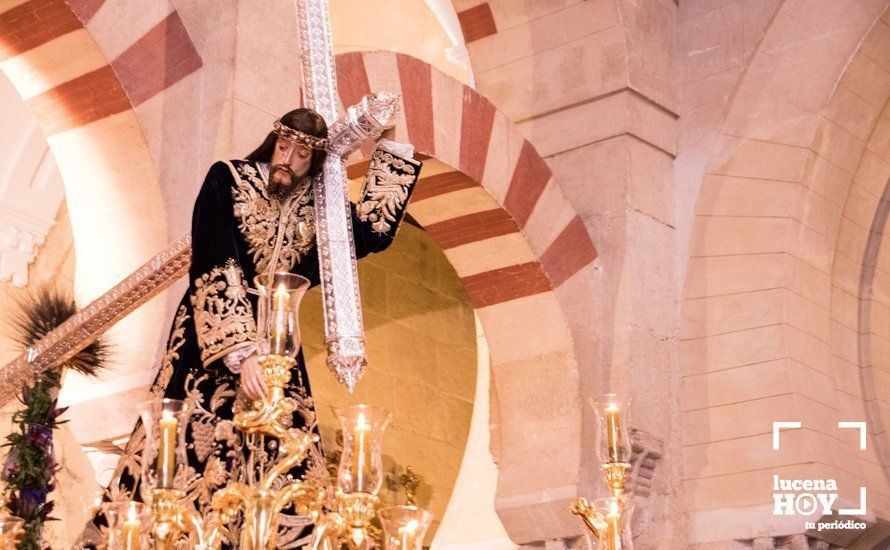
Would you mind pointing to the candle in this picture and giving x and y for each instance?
(613, 432)
(361, 453)
(130, 530)
(167, 451)
(613, 522)
(407, 535)
(280, 305)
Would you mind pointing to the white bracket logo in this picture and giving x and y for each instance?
(803, 496)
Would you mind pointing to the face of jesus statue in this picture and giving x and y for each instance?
(290, 164)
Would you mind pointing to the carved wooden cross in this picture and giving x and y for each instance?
(344, 331)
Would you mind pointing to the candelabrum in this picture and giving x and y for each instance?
(278, 341)
(167, 520)
(608, 519)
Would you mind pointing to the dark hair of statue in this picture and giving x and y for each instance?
(303, 120)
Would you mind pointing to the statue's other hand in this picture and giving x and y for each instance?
(251, 380)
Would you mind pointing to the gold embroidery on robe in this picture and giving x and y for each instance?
(223, 315)
(176, 340)
(275, 245)
(386, 190)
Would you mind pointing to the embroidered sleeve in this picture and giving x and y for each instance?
(388, 186)
(222, 311)
(223, 314)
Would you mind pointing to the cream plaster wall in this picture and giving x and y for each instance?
(470, 522)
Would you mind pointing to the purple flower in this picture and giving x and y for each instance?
(41, 436)
(29, 501)
(10, 467)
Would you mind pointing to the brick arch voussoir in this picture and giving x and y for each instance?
(446, 119)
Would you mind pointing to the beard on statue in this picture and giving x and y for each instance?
(282, 180)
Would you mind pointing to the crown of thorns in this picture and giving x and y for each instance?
(288, 133)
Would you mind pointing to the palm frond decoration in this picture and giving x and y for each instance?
(34, 314)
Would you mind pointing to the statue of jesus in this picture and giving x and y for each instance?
(253, 216)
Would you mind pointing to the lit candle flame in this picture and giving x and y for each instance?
(130, 529)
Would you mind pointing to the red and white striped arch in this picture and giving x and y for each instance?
(513, 239)
(84, 74)
(500, 216)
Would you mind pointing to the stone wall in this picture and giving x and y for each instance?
(593, 86)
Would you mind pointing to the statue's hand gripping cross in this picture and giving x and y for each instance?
(344, 332)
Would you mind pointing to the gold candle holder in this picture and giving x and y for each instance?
(357, 510)
(128, 525)
(259, 504)
(608, 519)
(616, 477)
(348, 525)
(360, 477)
(361, 463)
(278, 341)
(167, 517)
(164, 456)
(404, 527)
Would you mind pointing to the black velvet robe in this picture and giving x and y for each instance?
(240, 231)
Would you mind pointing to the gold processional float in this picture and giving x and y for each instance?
(342, 516)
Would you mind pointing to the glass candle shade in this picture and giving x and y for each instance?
(12, 529)
(404, 527)
(617, 513)
(128, 525)
(164, 454)
(361, 463)
(278, 319)
(613, 431)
